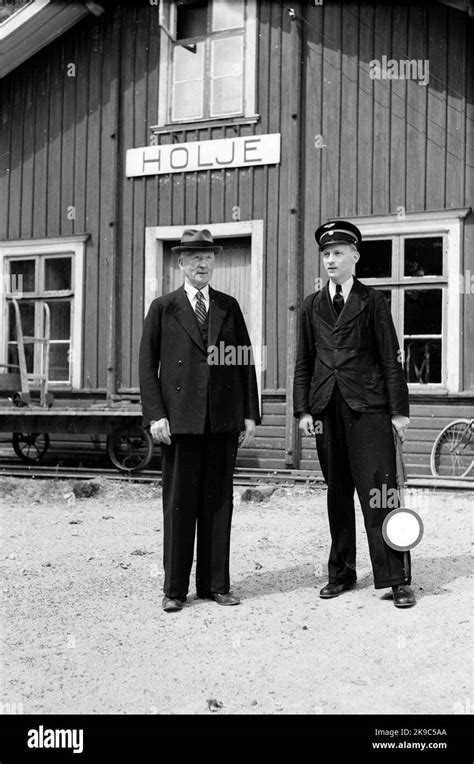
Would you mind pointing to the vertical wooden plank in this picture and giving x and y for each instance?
(273, 199)
(16, 156)
(81, 84)
(28, 159)
(93, 332)
(416, 113)
(68, 210)
(397, 191)
(107, 312)
(290, 217)
(349, 99)
(381, 135)
(455, 118)
(190, 188)
(127, 140)
(6, 126)
(55, 140)
(365, 126)
(135, 287)
(314, 148)
(331, 105)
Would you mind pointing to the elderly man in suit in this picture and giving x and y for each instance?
(200, 407)
(348, 377)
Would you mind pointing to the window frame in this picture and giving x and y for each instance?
(166, 64)
(41, 249)
(449, 225)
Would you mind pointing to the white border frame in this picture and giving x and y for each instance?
(449, 222)
(66, 245)
(153, 273)
(250, 66)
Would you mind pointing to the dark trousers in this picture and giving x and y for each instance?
(198, 490)
(357, 451)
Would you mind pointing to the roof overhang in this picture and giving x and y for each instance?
(33, 27)
(467, 6)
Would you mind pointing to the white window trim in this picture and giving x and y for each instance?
(449, 222)
(153, 276)
(250, 66)
(66, 245)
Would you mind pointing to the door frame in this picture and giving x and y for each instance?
(155, 236)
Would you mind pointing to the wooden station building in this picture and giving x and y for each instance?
(123, 123)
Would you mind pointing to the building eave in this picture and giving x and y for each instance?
(33, 27)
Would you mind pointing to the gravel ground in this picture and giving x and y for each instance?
(84, 631)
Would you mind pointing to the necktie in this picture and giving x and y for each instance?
(338, 299)
(200, 309)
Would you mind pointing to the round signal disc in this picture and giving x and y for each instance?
(402, 529)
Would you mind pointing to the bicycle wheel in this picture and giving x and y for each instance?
(453, 452)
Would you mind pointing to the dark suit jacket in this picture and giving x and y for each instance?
(176, 380)
(359, 349)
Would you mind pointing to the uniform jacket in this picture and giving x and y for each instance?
(359, 348)
(176, 380)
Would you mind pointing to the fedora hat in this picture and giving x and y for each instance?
(194, 239)
(338, 231)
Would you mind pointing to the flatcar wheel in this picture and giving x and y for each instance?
(30, 446)
(130, 452)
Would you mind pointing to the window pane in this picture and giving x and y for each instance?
(187, 99)
(226, 95)
(227, 14)
(424, 257)
(227, 70)
(22, 276)
(375, 259)
(60, 318)
(29, 356)
(27, 316)
(422, 311)
(191, 20)
(423, 361)
(227, 57)
(188, 83)
(57, 273)
(188, 66)
(58, 362)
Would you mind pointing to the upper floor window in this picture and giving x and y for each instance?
(209, 60)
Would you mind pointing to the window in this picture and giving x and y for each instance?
(42, 281)
(416, 263)
(44, 278)
(208, 60)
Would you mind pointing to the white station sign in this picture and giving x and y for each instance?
(204, 155)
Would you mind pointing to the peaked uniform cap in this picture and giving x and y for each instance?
(192, 238)
(338, 231)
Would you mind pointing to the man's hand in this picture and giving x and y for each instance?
(306, 424)
(246, 435)
(160, 431)
(401, 423)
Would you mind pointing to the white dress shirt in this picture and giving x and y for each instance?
(192, 292)
(346, 288)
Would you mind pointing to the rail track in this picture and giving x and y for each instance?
(242, 476)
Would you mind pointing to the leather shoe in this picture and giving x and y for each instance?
(334, 590)
(172, 604)
(403, 596)
(221, 599)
